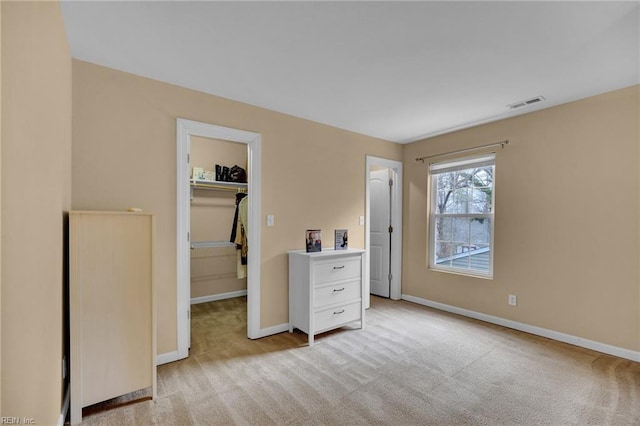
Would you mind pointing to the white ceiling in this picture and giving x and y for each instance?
(399, 71)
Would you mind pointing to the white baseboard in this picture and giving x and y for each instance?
(221, 296)
(539, 331)
(167, 357)
(65, 406)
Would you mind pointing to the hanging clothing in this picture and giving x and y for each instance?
(239, 197)
(241, 237)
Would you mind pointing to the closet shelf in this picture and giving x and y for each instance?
(210, 244)
(217, 185)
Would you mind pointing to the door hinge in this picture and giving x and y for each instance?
(390, 182)
(390, 277)
(188, 158)
(188, 313)
(390, 229)
(188, 236)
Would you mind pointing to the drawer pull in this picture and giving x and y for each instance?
(338, 289)
(338, 267)
(339, 312)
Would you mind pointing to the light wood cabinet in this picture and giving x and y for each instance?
(112, 306)
(326, 290)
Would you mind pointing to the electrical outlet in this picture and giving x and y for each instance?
(361, 220)
(513, 299)
(270, 220)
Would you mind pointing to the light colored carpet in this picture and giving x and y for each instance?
(411, 365)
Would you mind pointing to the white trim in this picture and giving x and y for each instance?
(184, 129)
(167, 357)
(65, 406)
(531, 329)
(396, 222)
(221, 296)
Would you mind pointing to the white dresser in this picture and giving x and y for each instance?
(326, 290)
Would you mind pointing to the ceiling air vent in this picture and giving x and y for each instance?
(526, 103)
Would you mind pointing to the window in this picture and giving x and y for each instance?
(461, 219)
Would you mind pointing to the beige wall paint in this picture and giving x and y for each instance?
(214, 272)
(36, 193)
(207, 152)
(124, 154)
(566, 231)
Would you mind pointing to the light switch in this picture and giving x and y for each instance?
(270, 220)
(361, 220)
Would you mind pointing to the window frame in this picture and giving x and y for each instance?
(468, 162)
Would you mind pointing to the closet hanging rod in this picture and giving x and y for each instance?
(475, 148)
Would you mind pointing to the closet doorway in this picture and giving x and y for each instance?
(197, 133)
(218, 185)
(381, 172)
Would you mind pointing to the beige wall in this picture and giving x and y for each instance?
(214, 272)
(124, 154)
(566, 230)
(36, 192)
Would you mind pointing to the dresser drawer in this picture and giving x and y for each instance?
(337, 270)
(336, 293)
(332, 318)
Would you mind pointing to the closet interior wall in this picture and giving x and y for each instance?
(214, 267)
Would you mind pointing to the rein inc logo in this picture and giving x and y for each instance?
(4, 420)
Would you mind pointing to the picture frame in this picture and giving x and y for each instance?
(313, 240)
(197, 173)
(341, 239)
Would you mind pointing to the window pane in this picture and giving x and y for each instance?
(445, 202)
(444, 253)
(461, 232)
(481, 200)
(461, 200)
(480, 260)
(481, 232)
(443, 246)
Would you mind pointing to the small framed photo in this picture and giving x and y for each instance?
(313, 240)
(197, 173)
(209, 176)
(342, 239)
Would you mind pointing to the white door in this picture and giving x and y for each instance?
(380, 247)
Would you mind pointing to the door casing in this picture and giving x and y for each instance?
(379, 236)
(184, 129)
(396, 222)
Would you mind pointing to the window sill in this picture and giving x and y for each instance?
(462, 273)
